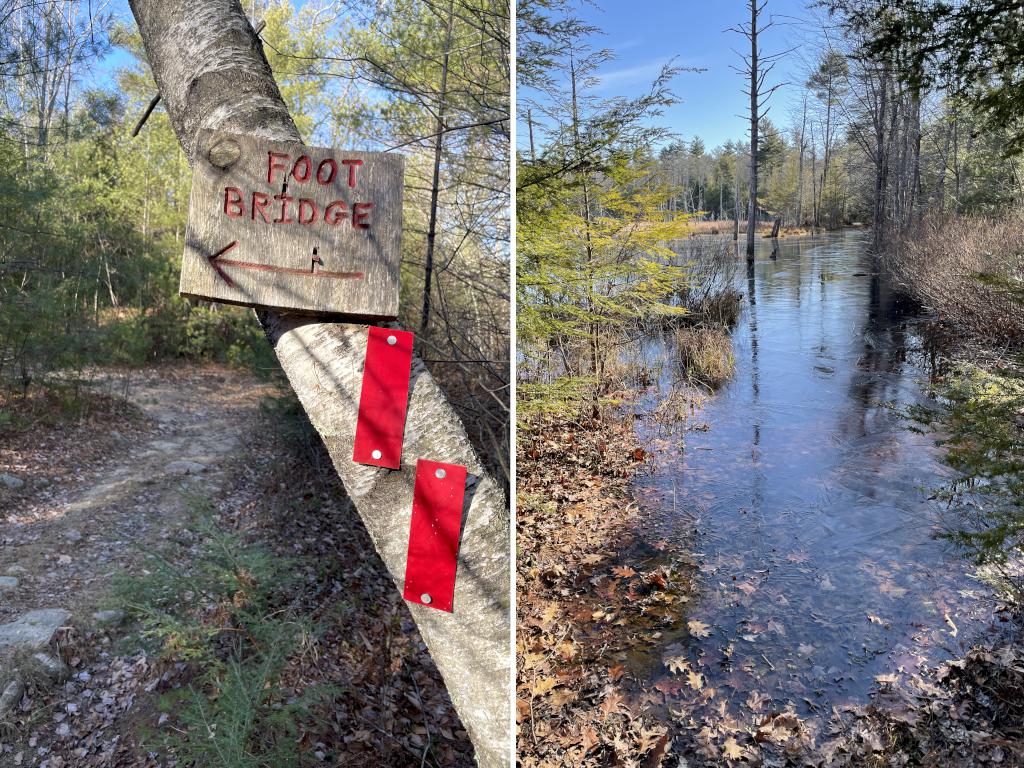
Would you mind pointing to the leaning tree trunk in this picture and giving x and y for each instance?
(212, 73)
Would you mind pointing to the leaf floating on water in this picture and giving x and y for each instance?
(695, 679)
(951, 624)
(891, 589)
(747, 587)
(698, 628)
(623, 572)
(670, 685)
(677, 664)
(877, 620)
(776, 627)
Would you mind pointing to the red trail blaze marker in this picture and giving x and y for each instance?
(434, 534)
(383, 399)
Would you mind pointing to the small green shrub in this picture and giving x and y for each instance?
(981, 419)
(225, 606)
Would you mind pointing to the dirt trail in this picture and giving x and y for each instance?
(63, 542)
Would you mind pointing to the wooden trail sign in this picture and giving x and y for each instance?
(285, 226)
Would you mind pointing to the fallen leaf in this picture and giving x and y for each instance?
(695, 679)
(951, 624)
(731, 749)
(611, 702)
(698, 628)
(677, 664)
(542, 685)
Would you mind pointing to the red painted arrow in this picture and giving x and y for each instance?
(219, 263)
(213, 262)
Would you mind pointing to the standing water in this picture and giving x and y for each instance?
(803, 495)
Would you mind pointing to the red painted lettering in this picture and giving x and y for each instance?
(260, 202)
(352, 165)
(233, 206)
(361, 215)
(306, 167)
(284, 218)
(309, 207)
(335, 213)
(273, 165)
(332, 168)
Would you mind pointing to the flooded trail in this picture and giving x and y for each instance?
(805, 501)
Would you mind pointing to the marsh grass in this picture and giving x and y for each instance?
(705, 355)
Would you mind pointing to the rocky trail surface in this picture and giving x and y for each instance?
(79, 506)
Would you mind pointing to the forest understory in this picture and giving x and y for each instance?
(223, 603)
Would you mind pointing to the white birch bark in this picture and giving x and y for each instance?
(212, 73)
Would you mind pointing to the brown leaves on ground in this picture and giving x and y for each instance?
(54, 438)
(576, 701)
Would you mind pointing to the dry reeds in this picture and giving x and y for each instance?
(705, 355)
(969, 270)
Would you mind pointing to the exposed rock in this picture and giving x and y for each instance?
(73, 534)
(11, 481)
(33, 630)
(185, 467)
(11, 696)
(54, 668)
(7, 582)
(17, 569)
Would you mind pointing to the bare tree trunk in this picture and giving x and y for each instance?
(800, 169)
(754, 84)
(736, 207)
(594, 329)
(212, 73)
(428, 270)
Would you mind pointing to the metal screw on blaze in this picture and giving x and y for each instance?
(434, 529)
(285, 226)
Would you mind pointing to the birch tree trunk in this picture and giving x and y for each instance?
(212, 73)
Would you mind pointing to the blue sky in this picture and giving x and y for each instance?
(645, 34)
